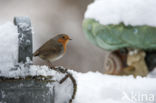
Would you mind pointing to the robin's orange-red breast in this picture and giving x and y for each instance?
(53, 49)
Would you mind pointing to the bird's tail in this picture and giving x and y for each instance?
(36, 53)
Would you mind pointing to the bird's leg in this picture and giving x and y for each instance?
(50, 65)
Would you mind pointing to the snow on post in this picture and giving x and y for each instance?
(16, 44)
(8, 47)
(25, 38)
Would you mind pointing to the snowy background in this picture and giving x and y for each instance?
(93, 87)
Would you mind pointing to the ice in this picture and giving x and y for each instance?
(133, 12)
(8, 46)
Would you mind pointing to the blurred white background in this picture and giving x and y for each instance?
(50, 17)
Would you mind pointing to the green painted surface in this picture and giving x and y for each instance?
(113, 37)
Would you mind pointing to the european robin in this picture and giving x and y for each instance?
(53, 49)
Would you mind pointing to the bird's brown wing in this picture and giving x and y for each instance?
(50, 47)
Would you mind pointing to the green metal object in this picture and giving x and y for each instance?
(113, 37)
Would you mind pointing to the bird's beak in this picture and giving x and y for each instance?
(70, 39)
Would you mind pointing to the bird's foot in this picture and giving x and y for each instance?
(62, 70)
(51, 66)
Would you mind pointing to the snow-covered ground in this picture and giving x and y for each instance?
(133, 12)
(94, 87)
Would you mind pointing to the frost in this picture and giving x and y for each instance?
(24, 26)
(3, 94)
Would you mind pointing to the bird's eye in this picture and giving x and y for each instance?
(63, 37)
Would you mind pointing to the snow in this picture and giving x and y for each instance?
(24, 70)
(8, 46)
(152, 74)
(94, 87)
(63, 92)
(130, 12)
(25, 26)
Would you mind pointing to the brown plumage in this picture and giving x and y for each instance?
(53, 49)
